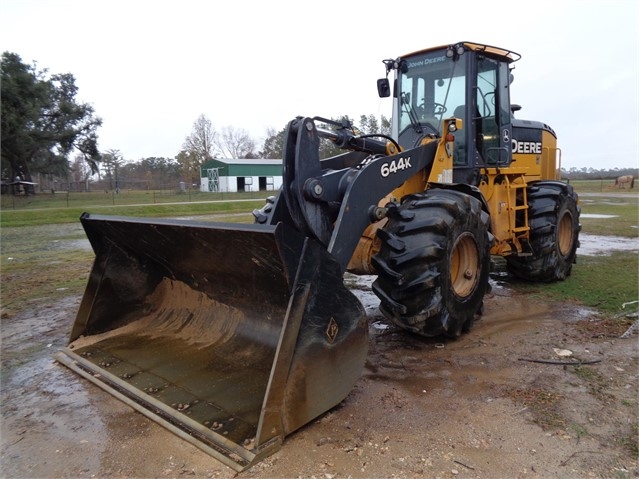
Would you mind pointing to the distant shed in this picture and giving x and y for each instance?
(229, 175)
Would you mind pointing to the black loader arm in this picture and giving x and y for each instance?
(335, 199)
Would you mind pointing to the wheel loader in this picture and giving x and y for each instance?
(235, 335)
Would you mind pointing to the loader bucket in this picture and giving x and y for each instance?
(231, 336)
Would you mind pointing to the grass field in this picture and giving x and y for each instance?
(64, 207)
(46, 214)
(600, 186)
(66, 199)
(41, 256)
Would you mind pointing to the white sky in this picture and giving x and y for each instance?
(150, 68)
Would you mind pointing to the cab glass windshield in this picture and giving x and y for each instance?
(432, 87)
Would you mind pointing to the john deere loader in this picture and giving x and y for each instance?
(234, 336)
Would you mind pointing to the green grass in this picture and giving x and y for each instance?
(30, 236)
(43, 216)
(45, 253)
(624, 223)
(602, 186)
(66, 199)
(597, 198)
(600, 282)
(49, 261)
(35, 268)
(66, 207)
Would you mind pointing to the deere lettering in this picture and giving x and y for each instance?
(533, 147)
(426, 61)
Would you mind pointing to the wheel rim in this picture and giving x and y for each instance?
(464, 267)
(564, 234)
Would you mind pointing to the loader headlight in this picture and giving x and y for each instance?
(452, 127)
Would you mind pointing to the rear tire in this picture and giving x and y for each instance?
(433, 262)
(553, 217)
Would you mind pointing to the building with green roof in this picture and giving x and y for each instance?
(230, 175)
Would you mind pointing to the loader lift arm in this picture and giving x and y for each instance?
(334, 200)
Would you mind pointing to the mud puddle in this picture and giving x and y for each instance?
(45, 409)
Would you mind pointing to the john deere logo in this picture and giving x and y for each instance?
(331, 330)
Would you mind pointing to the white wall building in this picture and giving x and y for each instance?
(229, 175)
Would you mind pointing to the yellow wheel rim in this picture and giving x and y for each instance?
(565, 234)
(464, 267)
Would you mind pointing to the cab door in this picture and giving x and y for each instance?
(492, 114)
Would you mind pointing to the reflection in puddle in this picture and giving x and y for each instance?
(41, 397)
(592, 245)
(596, 216)
(379, 326)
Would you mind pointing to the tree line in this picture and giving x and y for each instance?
(597, 174)
(47, 131)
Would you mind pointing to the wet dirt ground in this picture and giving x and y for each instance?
(477, 407)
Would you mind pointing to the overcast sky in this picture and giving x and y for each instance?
(150, 68)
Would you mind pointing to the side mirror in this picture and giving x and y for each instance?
(383, 88)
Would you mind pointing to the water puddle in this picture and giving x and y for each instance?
(42, 402)
(380, 326)
(597, 245)
(597, 216)
(360, 286)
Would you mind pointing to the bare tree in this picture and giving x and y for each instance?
(81, 171)
(200, 143)
(235, 143)
(111, 161)
(204, 143)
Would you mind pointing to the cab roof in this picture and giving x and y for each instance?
(506, 55)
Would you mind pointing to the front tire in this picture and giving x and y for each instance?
(433, 262)
(553, 217)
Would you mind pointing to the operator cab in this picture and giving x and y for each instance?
(468, 81)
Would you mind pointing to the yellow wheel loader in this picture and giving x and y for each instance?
(233, 336)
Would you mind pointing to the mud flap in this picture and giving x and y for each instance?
(231, 336)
